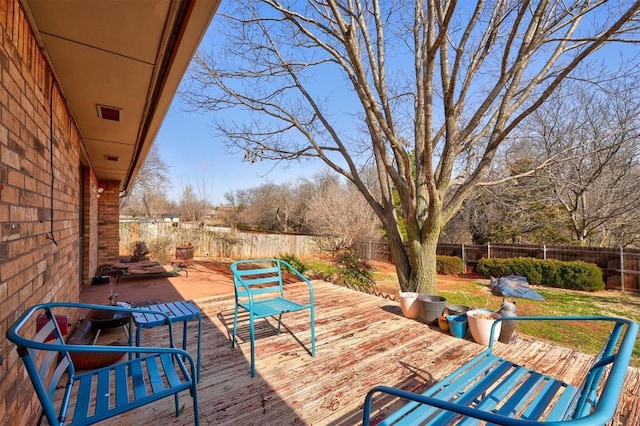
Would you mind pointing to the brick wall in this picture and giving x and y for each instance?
(90, 226)
(109, 223)
(39, 238)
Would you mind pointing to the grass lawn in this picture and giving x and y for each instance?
(581, 336)
(474, 292)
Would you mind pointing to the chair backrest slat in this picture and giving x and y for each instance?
(261, 271)
(46, 367)
(63, 366)
(261, 280)
(45, 331)
(49, 358)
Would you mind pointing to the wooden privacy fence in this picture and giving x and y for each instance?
(620, 267)
(215, 241)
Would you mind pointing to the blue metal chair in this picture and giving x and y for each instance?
(99, 394)
(493, 390)
(260, 292)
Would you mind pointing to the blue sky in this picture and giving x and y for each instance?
(186, 144)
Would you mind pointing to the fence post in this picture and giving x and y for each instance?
(464, 260)
(544, 252)
(488, 250)
(622, 269)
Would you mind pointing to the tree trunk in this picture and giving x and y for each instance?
(423, 264)
(416, 264)
(400, 259)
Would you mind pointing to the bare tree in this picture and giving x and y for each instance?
(235, 203)
(194, 202)
(148, 193)
(435, 87)
(341, 213)
(598, 134)
(270, 206)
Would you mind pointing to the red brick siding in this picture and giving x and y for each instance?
(109, 223)
(34, 269)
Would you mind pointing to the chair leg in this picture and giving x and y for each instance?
(198, 353)
(313, 334)
(235, 323)
(252, 338)
(196, 413)
(279, 322)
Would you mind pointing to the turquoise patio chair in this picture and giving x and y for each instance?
(259, 291)
(98, 394)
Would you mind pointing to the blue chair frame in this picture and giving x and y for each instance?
(259, 291)
(475, 389)
(155, 372)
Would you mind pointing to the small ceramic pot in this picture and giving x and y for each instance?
(443, 323)
(458, 325)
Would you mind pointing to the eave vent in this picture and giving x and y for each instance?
(112, 158)
(108, 113)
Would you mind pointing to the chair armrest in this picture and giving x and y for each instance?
(302, 277)
(630, 334)
(422, 399)
(248, 293)
(13, 332)
(487, 416)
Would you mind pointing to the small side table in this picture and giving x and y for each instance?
(177, 312)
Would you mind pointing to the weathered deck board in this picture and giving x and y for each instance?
(362, 341)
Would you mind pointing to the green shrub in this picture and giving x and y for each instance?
(293, 260)
(492, 267)
(551, 272)
(527, 267)
(576, 275)
(353, 271)
(581, 276)
(449, 265)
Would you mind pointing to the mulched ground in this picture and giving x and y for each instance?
(384, 273)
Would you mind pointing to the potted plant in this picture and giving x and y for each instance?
(409, 304)
(480, 322)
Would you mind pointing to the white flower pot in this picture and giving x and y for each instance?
(480, 322)
(409, 304)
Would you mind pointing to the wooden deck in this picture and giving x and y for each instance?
(362, 341)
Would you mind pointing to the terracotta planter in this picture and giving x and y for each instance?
(480, 322)
(409, 304)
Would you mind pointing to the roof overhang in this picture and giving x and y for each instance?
(119, 65)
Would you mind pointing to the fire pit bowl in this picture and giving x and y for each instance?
(103, 319)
